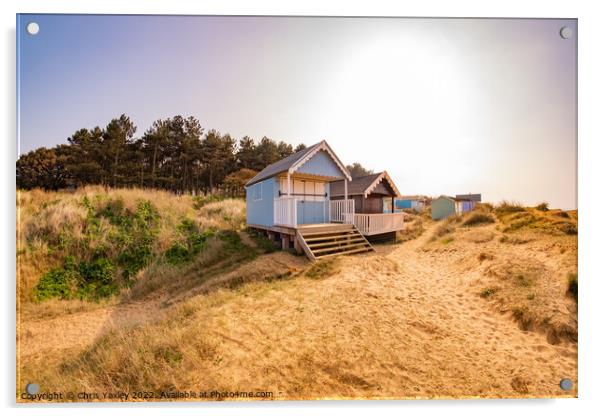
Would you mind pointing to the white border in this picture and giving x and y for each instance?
(590, 201)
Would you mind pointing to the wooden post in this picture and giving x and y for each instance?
(285, 241)
(345, 213)
(288, 183)
(298, 248)
(272, 235)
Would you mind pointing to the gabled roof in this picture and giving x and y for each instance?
(454, 199)
(469, 197)
(296, 160)
(362, 185)
(412, 198)
(451, 198)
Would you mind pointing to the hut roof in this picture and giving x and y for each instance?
(363, 185)
(296, 160)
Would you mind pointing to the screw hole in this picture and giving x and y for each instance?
(33, 28)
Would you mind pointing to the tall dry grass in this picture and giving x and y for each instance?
(54, 225)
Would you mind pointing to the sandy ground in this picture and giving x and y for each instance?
(399, 323)
(78, 330)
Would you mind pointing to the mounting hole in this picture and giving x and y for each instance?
(32, 388)
(33, 28)
(566, 32)
(566, 384)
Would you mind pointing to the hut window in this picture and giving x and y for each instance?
(257, 191)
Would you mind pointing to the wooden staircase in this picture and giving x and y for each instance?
(331, 240)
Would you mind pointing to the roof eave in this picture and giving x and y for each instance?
(322, 146)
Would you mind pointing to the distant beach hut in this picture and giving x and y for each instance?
(445, 206)
(414, 202)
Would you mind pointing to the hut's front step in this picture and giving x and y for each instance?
(329, 241)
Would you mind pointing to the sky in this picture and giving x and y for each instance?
(446, 106)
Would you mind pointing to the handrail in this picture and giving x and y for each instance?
(369, 224)
(342, 210)
(285, 211)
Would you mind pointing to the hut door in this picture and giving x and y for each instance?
(321, 201)
(299, 191)
(311, 202)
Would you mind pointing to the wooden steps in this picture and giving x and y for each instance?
(332, 240)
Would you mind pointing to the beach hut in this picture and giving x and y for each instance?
(415, 202)
(445, 206)
(371, 194)
(290, 200)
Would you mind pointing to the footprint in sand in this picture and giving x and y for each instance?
(540, 348)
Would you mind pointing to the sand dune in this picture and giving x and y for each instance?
(404, 322)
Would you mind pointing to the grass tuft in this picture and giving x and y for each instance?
(478, 218)
(508, 207)
(323, 268)
(488, 292)
(573, 286)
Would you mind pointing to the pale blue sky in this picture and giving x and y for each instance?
(446, 106)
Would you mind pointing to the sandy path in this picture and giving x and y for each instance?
(391, 325)
(441, 297)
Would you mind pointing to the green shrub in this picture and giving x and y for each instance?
(192, 242)
(105, 258)
(137, 235)
(96, 279)
(60, 282)
(84, 280)
(478, 218)
(573, 286)
(133, 236)
(177, 254)
(544, 206)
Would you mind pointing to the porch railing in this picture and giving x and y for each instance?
(342, 211)
(285, 211)
(369, 224)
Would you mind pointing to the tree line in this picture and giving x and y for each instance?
(174, 154)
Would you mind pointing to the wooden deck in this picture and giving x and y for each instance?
(330, 226)
(328, 240)
(321, 240)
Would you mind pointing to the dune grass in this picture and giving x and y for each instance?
(477, 218)
(91, 243)
(521, 286)
(573, 286)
